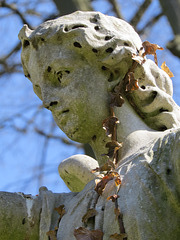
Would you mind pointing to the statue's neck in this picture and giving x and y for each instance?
(131, 130)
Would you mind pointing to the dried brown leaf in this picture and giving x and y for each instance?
(113, 146)
(118, 181)
(117, 236)
(91, 212)
(100, 186)
(138, 58)
(132, 83)
(85, 234)
(116, 100)
(109, 125)
(52, 234)
(60, 210)
(105, 167)
(165, 68)
(113, 197)
(150, 48)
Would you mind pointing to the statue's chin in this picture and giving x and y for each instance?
(74, 133)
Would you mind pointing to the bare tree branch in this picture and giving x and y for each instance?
(116, 8)
(151, 23)
(138, 15)
(64, 140)
(13, 8)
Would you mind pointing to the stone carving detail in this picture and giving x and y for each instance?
(74, 62)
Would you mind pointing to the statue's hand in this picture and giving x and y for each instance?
(76, 171)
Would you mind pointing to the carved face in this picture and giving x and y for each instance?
(73, 89)
(73, 62)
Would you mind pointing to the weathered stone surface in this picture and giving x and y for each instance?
(148, 197)
(25, 216)
(74, 62)
(76, 171)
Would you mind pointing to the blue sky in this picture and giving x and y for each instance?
(21, 154)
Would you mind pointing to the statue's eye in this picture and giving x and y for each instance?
(63, 76)
(57, 78)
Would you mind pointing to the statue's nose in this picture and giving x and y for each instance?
(50, 104)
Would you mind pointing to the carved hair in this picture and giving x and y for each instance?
(109, 43)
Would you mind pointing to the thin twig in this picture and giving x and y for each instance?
(138, 15)
(16, 11)
(150, 23)
(64, 140)
(116, 8)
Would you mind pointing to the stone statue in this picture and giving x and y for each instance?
(76, 63)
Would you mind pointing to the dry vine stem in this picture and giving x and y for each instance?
(127, 85)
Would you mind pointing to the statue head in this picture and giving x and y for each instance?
(75, 61)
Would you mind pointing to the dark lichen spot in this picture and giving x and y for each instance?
(102, 209)
(94, 138)
(107, 38)
(93, 20)
(28, 75)
(163, 110)
(168, 171)
(162, 128)
(97, 28)
(67, 71)
(117, 71)
(49, 69)
(53, 103)
(78, 45)
(78, 26)
(65, 111)
(154, 94)
(111, 77)
(42, 39)
(26, 43)
(104, 68)
(66, 171)
(24, 221)
(94, 50)
(126, 44)
(143, 87)
(109, 50)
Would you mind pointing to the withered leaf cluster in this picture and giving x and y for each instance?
(52, 234)
(101, 183)
(85, 234)
(90, 213)
(150, 48)
(109, 125)
(116, 99)
(113, 147)
(117, 236)
(132, 83)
